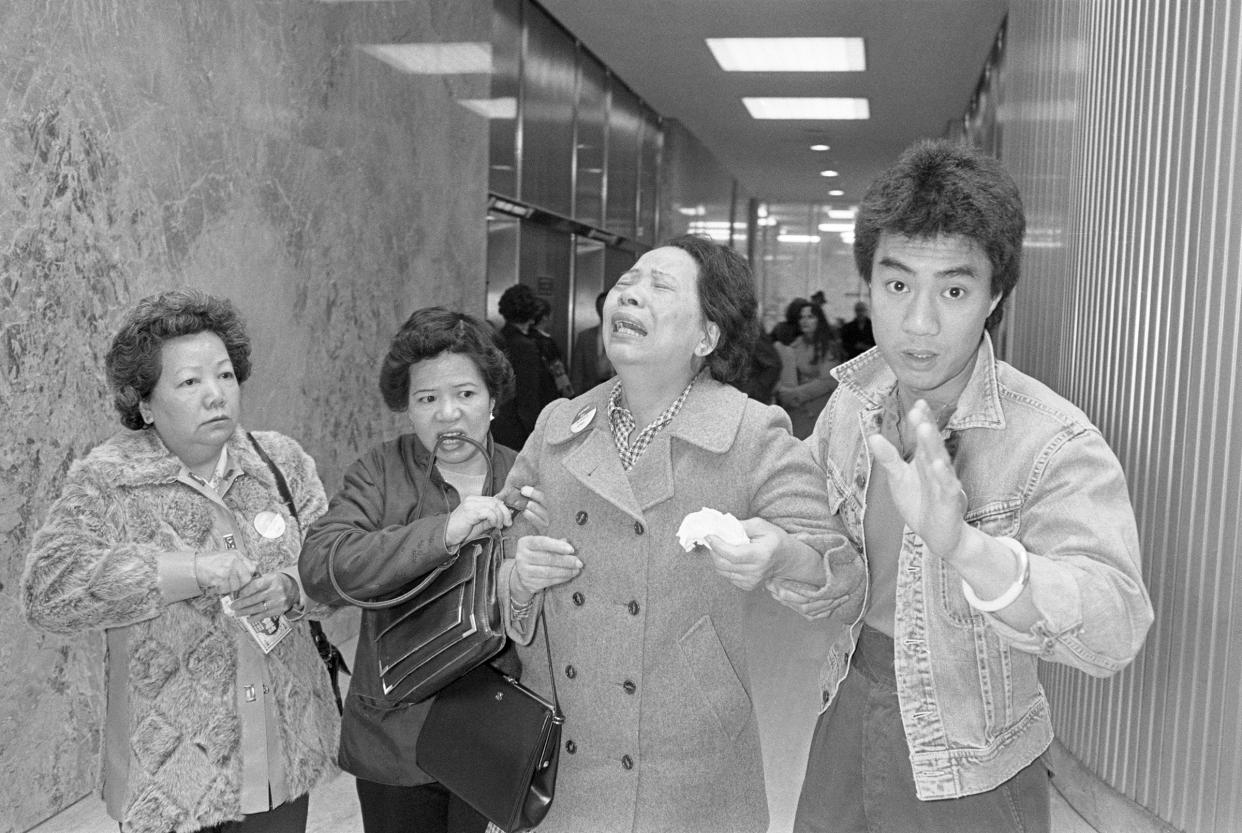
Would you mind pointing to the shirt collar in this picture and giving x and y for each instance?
(870, 378)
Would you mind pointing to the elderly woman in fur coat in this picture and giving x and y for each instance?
(173, 538)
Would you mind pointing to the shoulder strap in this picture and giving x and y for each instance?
(281, 485)
(547, 643)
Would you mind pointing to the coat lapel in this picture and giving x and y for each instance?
(709, 419)
(592, 459)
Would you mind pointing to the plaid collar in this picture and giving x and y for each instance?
(623, 424)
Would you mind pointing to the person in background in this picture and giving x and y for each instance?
(169, 537)
(994, 517)
(649, 640)
(553, 359)
(589, 364)
(764, 371)
(806, 382)
(392, 522)
(534, 386)
(856, 335)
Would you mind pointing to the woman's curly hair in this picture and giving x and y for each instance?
(431, 331)
(134, 361)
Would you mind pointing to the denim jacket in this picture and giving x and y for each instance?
(1034, 468)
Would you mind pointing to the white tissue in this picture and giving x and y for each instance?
(696, 526)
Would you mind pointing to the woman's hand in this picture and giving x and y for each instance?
(748, 565)
(271, 594)
(542, 562)
(474, 516)
(534, 508)
(222, 572)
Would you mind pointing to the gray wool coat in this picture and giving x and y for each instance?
(648, 641)
(173, 705)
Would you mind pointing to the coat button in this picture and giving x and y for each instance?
(571, 747)
(578, 598)
(627, 762)
(860, 481)
(638, 528)
(629, 687)
(581, 517)
(570, 671)
(632, 607)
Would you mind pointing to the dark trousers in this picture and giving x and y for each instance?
(289, 817)
(859, 779)
(425, 808)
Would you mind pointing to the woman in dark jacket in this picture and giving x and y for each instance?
(392, 523)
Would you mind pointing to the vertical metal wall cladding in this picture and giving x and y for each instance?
(1121, 122)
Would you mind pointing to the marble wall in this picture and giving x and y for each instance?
(250, 149)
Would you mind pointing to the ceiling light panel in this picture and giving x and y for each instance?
(808, 108)
(434, 58)
(789, 54)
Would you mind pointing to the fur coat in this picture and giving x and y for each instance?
(94, 566)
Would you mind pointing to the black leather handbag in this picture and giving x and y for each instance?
(443, 626)
(496, 745)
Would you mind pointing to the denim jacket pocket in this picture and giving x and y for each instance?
(999, 517)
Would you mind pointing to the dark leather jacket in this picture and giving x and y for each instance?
(391, 518)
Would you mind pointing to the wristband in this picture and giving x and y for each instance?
(1013, 592)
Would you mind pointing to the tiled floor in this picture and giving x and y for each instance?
(785, 655)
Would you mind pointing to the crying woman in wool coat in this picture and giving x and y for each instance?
(173, 537)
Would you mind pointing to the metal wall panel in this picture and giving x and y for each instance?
(1121, 123)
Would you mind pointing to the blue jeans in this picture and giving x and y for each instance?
(859, 780)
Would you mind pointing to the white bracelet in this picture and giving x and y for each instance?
(1014, 591)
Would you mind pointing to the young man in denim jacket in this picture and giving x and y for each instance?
(995, 520)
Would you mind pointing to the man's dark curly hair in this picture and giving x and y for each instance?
(939, 187)
(134, 361)
(519, 304)
(431, 331)
(727, 297)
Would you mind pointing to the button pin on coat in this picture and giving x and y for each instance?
(582, 419)
(269, 524)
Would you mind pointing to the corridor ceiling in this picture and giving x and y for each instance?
(924, 58)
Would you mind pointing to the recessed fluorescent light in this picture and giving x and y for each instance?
(820, 148)
(840, 214)
(433, 58)
(491, 108)
(797, 238)
(836, 192)
(836, 227)
(789, 54)
(827, 173)
(808, 108)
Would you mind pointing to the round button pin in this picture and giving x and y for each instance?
(582, 419)
(269, 524)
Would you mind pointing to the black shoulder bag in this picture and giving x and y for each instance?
(443, 626)
(496, 744)
(329, 653)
